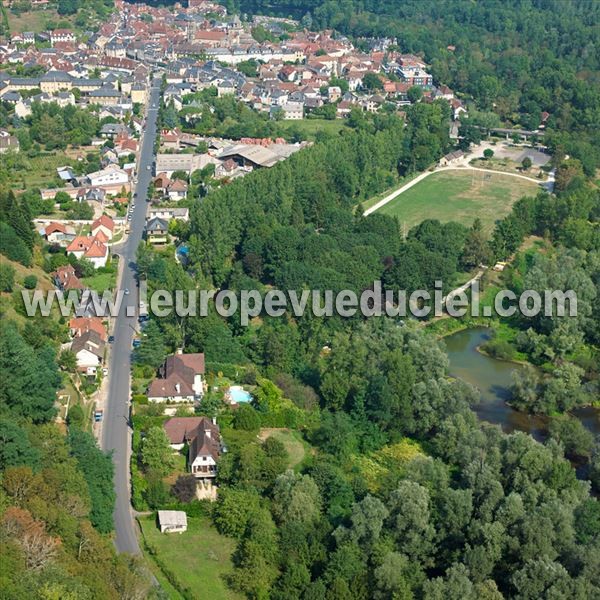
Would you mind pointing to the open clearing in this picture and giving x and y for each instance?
(291, 440)
(198, 558)
(310, 127)
(460, 196)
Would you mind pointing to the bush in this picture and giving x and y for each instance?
(246, 418)
(75, 416)
(140, 398)
(30, 282)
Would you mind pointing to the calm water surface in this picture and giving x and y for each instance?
(493, 378)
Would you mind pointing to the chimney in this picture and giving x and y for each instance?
(178, 387)
(214, 420)
(179, 351)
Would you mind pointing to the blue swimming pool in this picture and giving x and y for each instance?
(239, 395)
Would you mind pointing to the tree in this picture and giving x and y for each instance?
(98, 470)
(372, 81)
(157, 454)
(15, 448)
(488, 153)
(410, 520)
(576, 439)
(157, 492)
(7, 277)
(296, 498)
(68, 361)
(181, 175)
(152, 351)
(476, 250)
(525, 389)
(30, 378)
(76, 416)
(184, 489)
(233, 509)
(246, 418)
(526, 163)
(414, 93)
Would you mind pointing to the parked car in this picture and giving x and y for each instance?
(111, 339)
(98, 416)
(137, 343)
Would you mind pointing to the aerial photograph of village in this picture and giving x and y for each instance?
(300, 299)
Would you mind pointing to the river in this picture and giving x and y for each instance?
(493, 378)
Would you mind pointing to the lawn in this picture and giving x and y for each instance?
(459, 196)
(101, 281)
(292, 440)
(198, 558)
(310, 127)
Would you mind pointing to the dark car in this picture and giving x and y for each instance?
(111, 339)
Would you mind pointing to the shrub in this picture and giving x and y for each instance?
(30, 282)
(246, 418)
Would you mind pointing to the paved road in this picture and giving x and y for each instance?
(116, 435)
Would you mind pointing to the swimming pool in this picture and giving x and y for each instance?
(239, 395)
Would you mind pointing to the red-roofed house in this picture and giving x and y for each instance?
(204, 443)
(65, 279)
(57, 233)
(80, 325)
(181, 379)
(104, 224)
(90, 248)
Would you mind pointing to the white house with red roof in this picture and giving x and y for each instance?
(91, 248)
(105, 225)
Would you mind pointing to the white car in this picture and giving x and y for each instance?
(129, 217)
(147, 167)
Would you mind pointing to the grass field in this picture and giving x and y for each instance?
(198, 558)
(292, 440)
(34, 20)
(310, 127)
(459, 196)
(101, 281)
(39, 171)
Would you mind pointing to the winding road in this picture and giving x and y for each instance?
(116, 433)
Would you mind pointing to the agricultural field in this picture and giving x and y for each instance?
(37, 171)
(459, 196)
(198, 558)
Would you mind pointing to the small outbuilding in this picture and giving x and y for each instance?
(172, 521)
